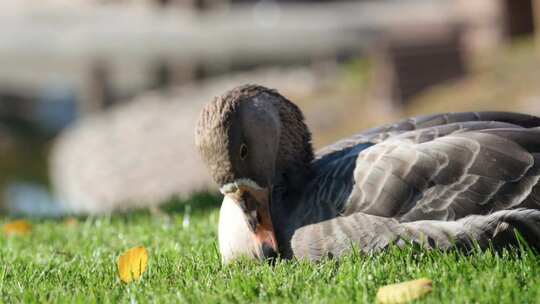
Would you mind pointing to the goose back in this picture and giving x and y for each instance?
(437, 167)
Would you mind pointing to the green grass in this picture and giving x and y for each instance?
(57, 263)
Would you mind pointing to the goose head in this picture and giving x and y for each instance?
(252, 138)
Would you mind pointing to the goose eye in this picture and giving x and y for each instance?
(243, 151)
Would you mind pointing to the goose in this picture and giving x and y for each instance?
(128, 157)
(453, 180)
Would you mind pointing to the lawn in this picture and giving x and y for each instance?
(77, 263)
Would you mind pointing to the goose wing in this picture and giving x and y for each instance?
(370, 233)
(432, 167)
(448, 172)
(442, 176)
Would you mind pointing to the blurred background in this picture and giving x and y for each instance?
(98, 98)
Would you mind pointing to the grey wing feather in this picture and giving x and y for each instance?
(370, 233)
(431, 174)
(379, 134)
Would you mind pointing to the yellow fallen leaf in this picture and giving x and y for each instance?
(18, 227)
(71, 222)
(132, 264)
(404, 292)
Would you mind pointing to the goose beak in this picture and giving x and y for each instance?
(255, 203)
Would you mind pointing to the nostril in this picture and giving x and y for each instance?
(268, 252)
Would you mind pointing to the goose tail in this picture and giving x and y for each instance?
(526, 222)
(497, 229)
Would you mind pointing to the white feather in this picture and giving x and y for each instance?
(235, 237)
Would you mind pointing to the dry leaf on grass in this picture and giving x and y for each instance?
(132, 264)
(71, 222)
(18, 227)
(404, 292)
